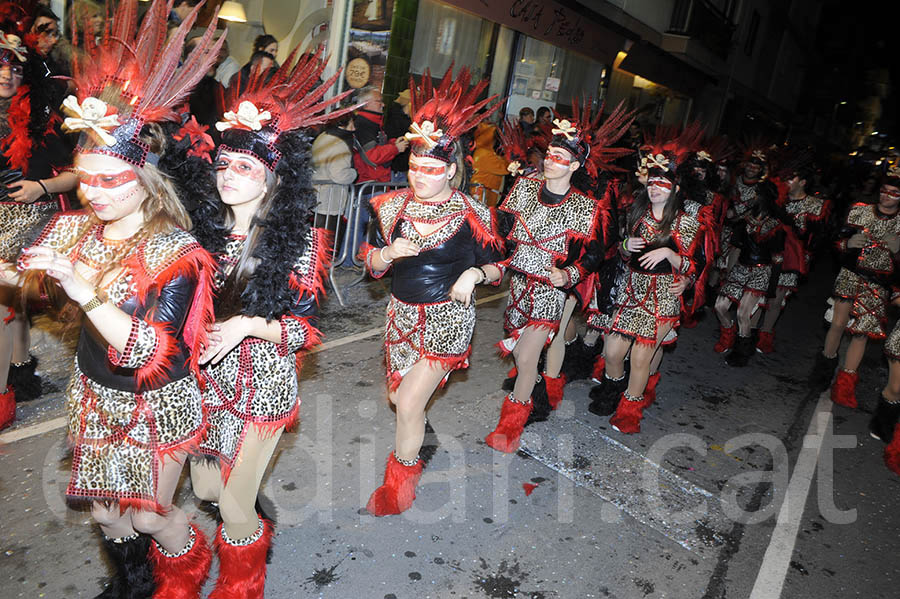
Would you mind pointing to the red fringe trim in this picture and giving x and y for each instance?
(153, 374)
(313, 281)
(486, 237)
(268, 429)
(198, 264)
(10, 316)
(516, 333)
(448, 363)
(892, 452)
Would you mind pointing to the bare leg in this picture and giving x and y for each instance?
(855, 351)
(839, 319)
(171, 530)
(723, 307)
(21, 338)
(657, 359)
(237, 502)
(614, 350)
(591, 337)
(747, 307)
(556, 352)
(891, 391)
(411, 398)
(775, 306)
(6, 347)
(206, 479)
(527, 353)
(642, 355)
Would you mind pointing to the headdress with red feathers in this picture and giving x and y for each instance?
(756, 149)
(666, 150)
(13, 24)
(587, 140)
(441, 115)
(274, 103)
(132, 77)
(515, 146)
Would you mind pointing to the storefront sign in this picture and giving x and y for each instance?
(550, 22)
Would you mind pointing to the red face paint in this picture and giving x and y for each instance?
(241, 166)
(106, 180)
(556, 158)
(893, 195)
(428, 171)
(660, 182)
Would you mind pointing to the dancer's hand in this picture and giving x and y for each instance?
(893, 242)
(464, 286)
(25, 191)
(857, 241)
(223, 337)
(557, 276)
(679, 285)
(8, 274)
(59, 267)
(400, 248)
(654, 257)
(634, 244)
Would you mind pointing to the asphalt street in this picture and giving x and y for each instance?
(741, 483)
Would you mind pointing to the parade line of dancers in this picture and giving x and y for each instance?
(195, 272)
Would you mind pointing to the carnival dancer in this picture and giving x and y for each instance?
(549, 224)
(32, 159)
(885, 423)
(272, 263)
(759, 236)
(807, 214)
(439, 244)
(868, 242)
(660, 250)
(144, 286)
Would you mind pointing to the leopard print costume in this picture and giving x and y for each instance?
(811, 209)
(257, 381)
(644, 303)
(542, 234)
(754, 278)
(742, 200)
(439, 331)
(119, 437)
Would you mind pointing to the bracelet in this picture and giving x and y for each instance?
(94, 302)
(44, 187)
(484, 276)
(625, 245)
(383, 259)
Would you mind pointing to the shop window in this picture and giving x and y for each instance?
(446, 35)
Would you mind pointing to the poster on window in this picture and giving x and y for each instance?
(370, 34)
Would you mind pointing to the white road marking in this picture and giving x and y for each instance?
(55, 423)
(772, 573)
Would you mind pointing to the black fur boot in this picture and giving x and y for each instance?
(133, 573)
(822, 372)
(605, 396)
(884, 421)
(429, 445)
(541, 410)
(23, 378)
(744, 348)
(579, 360)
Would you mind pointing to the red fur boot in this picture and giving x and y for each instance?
(843, 390)
(398, 490)
(513, 416)
(766, 342)
(726, 338)
(629, 413)
(555, 389)
(599, 369)
(242, 568)
(7, 407)
(181, 576)
(892, 452)
(650, 389)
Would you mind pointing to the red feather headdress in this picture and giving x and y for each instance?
(667, 149)
(273, 103)
(440, 116)
(588, 143)
(132, 77)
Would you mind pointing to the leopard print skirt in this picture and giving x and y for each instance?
(868, 314)
(253, 384)
(644, 306)
(747, 279)
(439, 332)
(892, 343)
(532, 302)
(119, 438)
(789, 280)
(20, 224)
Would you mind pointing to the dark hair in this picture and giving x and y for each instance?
(261, 41)
(542, 111)
(43, 11)
(767, 200)
(641, 204)
(526, 112)
(806, 173)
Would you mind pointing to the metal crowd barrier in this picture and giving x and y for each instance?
(339, 209)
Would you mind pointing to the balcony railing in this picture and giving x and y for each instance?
(702, 21)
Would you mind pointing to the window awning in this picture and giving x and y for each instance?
(653, 63)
